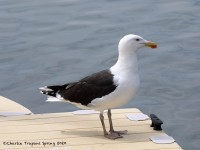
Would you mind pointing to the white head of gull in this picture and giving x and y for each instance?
(106, 89)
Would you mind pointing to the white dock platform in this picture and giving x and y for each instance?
(67, 131)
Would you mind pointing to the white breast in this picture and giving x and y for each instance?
(126, 78)
(128, 85)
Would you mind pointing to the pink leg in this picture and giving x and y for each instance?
(112, 131)
(112, 135)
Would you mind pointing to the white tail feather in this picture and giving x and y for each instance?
(54, 99)
(45, 88)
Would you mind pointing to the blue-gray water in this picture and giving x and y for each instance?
(44, 42)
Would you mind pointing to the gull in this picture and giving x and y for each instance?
(107, 89)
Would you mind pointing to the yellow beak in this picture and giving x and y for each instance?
(151, 44)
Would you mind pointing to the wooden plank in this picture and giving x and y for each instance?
(89, 148)
(128, 146)
(8, 105)
(69, 125)
(64, 114)
(131, 138)
(72, 133)
(147, 145)
(53, 120)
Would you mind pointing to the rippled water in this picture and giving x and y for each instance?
(54, 42)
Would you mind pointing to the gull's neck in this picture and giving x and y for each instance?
(126, 63)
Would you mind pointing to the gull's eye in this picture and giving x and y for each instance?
(137, 39)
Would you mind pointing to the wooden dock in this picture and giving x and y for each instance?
(68, 131)
(8, 105)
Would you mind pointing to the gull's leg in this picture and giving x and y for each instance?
(106, 134)
(111, 125)
(103, 124)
